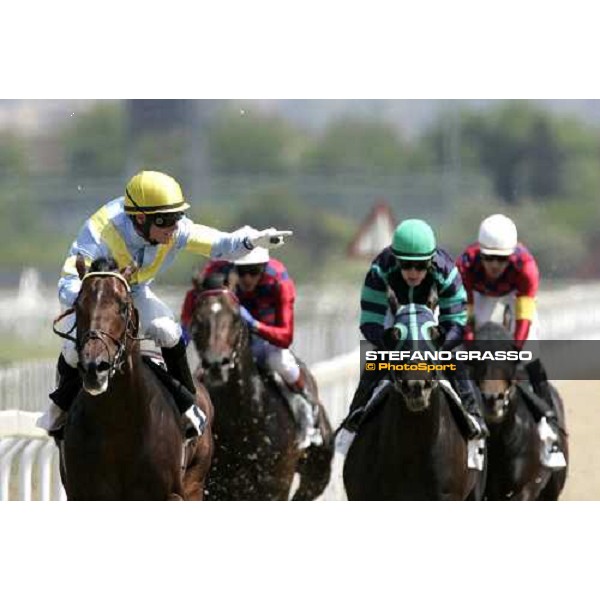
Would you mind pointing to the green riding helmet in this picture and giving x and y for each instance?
(413, 240)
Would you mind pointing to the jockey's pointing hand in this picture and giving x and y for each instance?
(268, 238)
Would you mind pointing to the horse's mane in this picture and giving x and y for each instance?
(215, 281)
(104, 265)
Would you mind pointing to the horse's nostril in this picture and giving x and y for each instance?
(103, 366)
(225, 361)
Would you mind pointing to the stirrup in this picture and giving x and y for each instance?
(476, 454)
(553, 458)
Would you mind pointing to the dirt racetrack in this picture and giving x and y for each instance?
(582, 403)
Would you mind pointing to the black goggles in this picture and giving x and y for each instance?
(494, 258)
(166, 220)
(417, 265)
(253, 270)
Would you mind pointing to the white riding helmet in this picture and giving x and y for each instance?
(498, 235)
(258, 256)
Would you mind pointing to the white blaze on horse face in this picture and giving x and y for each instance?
(215, 309)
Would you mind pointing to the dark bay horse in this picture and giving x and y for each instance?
(256, 455)
(515, 469)
(411, 447)
(123, 438)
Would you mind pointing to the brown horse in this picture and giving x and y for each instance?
(515, 469)
(256, 455)
(411, 449)
(123, 438)
(411, 446)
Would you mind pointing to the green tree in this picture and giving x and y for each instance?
(318, 233)
(251, 143)
(163, 151)
(351, 145)
(13, 153)
(525, 150)
(95, 141)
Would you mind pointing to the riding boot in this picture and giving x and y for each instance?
(357, 406)
(184, 389)
(68, 386)
(470, 398)
(305, 410)
(539, 382)
(548, 425)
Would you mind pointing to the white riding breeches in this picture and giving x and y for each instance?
(497, 309)
(280, 360)
(157, 323)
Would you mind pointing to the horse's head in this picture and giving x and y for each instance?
(415, 329)
(218, 331)
(496, 380)
(105, 318)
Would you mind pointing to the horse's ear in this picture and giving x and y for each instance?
(198, 282)
(391, 337)
(231, 280)
(129, 271)
(432, 298)
(80, 266)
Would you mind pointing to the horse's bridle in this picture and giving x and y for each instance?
(501, 400)
(118, 360)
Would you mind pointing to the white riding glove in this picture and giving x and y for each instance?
(268, 238)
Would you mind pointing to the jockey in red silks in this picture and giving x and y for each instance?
(499, 272)
(267, 294)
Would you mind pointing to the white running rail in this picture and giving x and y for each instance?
(29, 460)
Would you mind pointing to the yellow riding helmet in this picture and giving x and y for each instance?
(151, 192)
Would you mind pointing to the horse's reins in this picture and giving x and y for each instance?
(501, 400)
(118, 360)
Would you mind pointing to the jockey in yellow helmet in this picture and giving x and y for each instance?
(147, 226)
